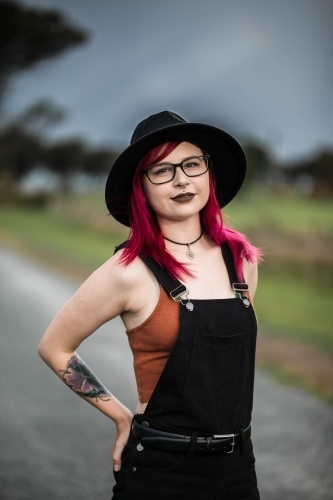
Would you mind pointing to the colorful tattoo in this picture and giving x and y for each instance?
(82, 380)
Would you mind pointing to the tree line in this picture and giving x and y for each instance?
(23, 148)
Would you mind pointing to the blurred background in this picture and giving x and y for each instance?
(77, 76)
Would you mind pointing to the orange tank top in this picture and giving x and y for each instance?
(152, 342)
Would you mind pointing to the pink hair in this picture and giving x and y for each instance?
(146, 237)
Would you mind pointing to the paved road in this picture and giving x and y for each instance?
(55, 446)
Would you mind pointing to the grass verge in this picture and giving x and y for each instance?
(295, 363)
(53, 238)
(296, 305)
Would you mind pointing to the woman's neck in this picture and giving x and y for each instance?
(181, 231)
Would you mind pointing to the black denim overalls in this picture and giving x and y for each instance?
(206, 388)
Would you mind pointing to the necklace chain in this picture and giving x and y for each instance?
(185, 244)
(189, 253)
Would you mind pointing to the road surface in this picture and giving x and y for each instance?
(53, 445)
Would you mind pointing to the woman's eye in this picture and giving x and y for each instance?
(191, 164)
(162, 170)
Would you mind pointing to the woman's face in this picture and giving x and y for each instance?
(184, 196)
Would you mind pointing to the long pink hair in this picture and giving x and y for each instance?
(146, 237)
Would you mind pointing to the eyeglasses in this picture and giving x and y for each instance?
(165, 172)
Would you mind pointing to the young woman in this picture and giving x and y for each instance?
(183, 285)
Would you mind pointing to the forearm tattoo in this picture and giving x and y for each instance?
(83, 381)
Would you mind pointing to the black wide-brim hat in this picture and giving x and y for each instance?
(226, 154)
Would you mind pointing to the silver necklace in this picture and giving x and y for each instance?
(189, 253)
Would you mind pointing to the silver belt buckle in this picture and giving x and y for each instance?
(227, 436)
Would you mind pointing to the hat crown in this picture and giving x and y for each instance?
(156, 122)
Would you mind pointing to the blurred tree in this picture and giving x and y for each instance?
(65, 158)
(319, 169)
(29, 35)
(40, 116)
(259, 163)
(22, 144)
(100, 161)
(20, 151)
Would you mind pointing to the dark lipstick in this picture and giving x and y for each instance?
(183, 197)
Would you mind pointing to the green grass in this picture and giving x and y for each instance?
(285, 377)
(296, 306)
(281, 213)
(59, 237)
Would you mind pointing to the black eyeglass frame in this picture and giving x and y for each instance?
(175, 165)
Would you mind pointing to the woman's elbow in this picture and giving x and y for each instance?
(46, 349)
(42, 350)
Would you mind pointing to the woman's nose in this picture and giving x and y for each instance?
(180, 178)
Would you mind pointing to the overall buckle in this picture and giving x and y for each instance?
(177, 293)
(181, 293)
(232, 444)
(242, 292)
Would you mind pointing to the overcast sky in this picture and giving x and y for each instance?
(257, 68)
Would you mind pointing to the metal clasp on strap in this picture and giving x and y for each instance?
(227, 436)
(238, 288)
(242, 292)
(177, 293)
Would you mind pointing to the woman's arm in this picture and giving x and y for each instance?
(102, 297)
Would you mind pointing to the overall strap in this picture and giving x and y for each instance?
(241, 289)
(229, 262)
(119, 247)
(174, 287)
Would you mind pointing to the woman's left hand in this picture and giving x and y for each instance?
(123, 432)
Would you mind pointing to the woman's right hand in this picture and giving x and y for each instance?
(123, 432)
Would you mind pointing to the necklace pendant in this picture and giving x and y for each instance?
(189, 253)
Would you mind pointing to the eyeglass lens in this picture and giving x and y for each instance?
(165, 172)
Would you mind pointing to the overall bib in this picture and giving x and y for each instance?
(205, 389)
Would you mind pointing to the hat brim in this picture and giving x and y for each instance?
(226, 154)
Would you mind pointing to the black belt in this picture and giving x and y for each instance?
(178, 443)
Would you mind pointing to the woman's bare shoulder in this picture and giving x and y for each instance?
(108, 290)
(114, 275)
